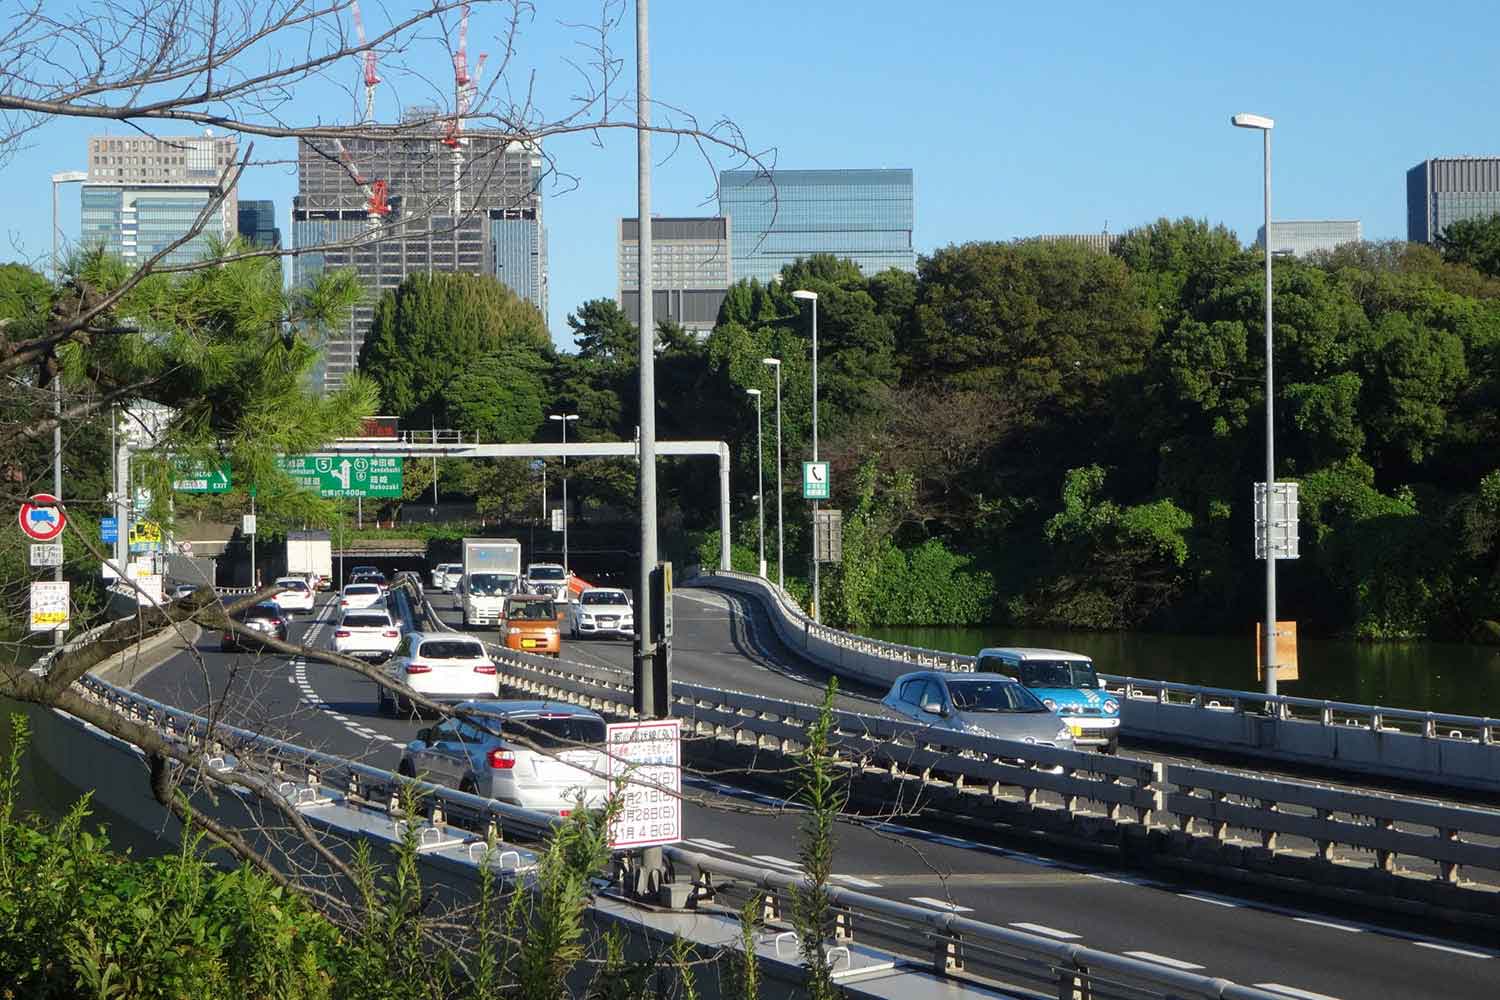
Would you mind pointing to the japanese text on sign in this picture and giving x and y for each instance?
(49, 606)
(645, 766)
(344, 476)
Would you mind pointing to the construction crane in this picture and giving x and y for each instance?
(371, 77)
(465, 87)
(378, 206)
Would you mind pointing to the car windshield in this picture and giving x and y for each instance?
(263, 611)
(361, 588)
(1058, 674)
(531, 611)
(292, 584)
(545, 573)
(557, 732)
(366, 620)
(993, 696)
(448, 649)
(604, 597)
(490, 584)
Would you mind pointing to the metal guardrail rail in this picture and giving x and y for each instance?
(1443, 748)
(1237, 810)
(954, 944)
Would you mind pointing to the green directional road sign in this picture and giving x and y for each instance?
(346, 475)
(198, 477)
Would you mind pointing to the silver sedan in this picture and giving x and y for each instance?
(983, 704)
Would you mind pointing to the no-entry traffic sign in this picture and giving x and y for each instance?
(42, 518)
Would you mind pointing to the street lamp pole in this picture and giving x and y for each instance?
(803, 294)
(565, 419)
(66, 177)
(775, 363)
(760, 479)
(1268, 656)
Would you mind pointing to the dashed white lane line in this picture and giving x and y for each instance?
(1292, 991)
(1452, 950)
(1048, 931)
(1199, 897)
(771, 859)
(856, 881)
(1329, 924)
(942, 904)
(1167, 960)
(711, 844)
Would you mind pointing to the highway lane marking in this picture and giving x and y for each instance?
(705, 842)
(1450, 949)
(1209, 899)
(942, 904)
(1167, 960)
(771, 859)
(858, 883)
(1048, 931)
(1328, 923)
(1292, 991)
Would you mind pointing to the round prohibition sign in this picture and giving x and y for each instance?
(42, 518)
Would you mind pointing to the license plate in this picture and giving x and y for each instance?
(528, 643)
(1076, 730)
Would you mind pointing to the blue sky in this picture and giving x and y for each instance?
(1053, 118)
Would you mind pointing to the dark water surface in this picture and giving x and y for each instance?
(1429, 676)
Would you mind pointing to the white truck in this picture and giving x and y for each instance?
(491, 568)
(308, 553)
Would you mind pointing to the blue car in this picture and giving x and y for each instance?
(1067, 684)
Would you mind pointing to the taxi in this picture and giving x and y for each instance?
(1067, 684)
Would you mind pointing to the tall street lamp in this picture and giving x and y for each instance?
(565, 419)
(775, 363)
(760, 479)
(1265, 125)
(65, 177)
(812, 297)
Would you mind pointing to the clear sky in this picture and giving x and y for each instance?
(1018, 119)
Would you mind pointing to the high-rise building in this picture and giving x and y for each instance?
(257, 223)
(690, 270)
(1448, 189)
(779, 216)
(477, 210)
(1100, 242)
(1300, 237)
(145, 193)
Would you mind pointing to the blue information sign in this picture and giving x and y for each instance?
(109, 529)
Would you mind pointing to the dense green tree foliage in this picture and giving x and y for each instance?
(1475, 242)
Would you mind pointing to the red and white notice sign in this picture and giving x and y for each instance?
(645, 765)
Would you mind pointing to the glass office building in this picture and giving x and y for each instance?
(780, 216)
(1300, 237)
(258, 223)
(1445, 190)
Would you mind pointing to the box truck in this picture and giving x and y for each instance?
(491, 568)
(310, 552)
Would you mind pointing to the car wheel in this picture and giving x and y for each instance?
(1113, 746)
(406, 770)
(382, 702)
(468, 787)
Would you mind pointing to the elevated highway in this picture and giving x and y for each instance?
(1301, 949)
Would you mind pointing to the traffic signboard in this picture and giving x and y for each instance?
(109, 529)
(42, 518)
(145, 536)
(815, 481)
(49, 605)
(47, 554)
(346, 476)
(646, 758)
(199, 477)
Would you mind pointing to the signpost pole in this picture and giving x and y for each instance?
(253, 583)
(57, 571)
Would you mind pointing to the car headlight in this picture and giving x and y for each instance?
(1064, 735)
(550, 632)
(1111, 707)
(586, 618)
(513, 630)
(1051, 705)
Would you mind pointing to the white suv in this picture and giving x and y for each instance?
(602, 611)
(444, 667)
(367, 634)
(295, 595)
(549, 579)
(445, 576)
(361, 595)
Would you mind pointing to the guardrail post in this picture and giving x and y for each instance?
(1268, 837)
(1448, 870)
(1069, 799)
(843, 926)
(1220, 827)
(1073, 983)
(1324, 847)
(1384, 860)
(770, 907)
(947, 953)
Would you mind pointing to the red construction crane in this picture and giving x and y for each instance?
(377, 191)
(464, 85)
(371, 77)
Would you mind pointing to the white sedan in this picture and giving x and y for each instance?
(295, 595)
(601, 611)
(360, 595)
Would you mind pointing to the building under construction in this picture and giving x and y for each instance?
(424, 202)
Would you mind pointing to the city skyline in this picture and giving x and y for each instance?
(1009, 138)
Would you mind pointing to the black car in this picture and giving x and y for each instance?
(368, 576)
(265, 617)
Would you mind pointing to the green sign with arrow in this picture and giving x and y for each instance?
(346, 475)
(199, 477)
